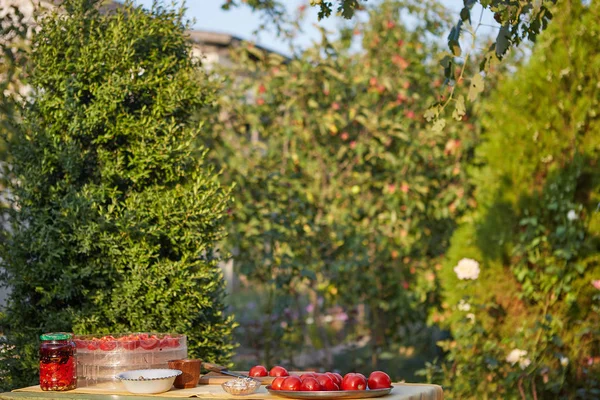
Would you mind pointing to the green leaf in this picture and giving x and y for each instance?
(333, 72)
(432, 112)
(476, 87)
(439, 125)
(503, 40)
(459, 109)
(465, 14)
(453, 39)
(256, 52)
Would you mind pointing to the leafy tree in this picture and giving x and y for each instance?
(116, 213)
(528, 324)
(518, 20)
(342, 189)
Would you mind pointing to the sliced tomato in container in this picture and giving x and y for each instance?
(173, 342)
(80, 343)
(164, 342)
(93, 344)
(149, 343)
(130, 342)
(108, 345)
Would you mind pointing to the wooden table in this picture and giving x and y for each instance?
(402, 391)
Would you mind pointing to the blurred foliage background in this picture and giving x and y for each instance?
(345, 198)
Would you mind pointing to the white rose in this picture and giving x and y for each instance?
(572, 215)
(471, 317)
(467, 269)
(564, 361)
(524, 363)
(515, 356)
(463, 305)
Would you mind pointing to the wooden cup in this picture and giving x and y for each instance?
(190, 373)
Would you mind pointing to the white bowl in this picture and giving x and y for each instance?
(148, 381)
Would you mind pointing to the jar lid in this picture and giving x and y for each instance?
(56, 336)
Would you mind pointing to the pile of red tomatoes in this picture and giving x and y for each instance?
(328, 381)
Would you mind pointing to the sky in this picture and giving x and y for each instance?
(242, 22)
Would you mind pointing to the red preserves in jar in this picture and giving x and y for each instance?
(57, 362)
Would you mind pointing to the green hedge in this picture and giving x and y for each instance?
(116, 214)
(535, 232)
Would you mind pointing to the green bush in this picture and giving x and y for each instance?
(536, 231)
(344, 191)
(116, 213)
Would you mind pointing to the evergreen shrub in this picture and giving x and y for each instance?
(116, 213)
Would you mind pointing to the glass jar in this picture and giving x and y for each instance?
(58, 366)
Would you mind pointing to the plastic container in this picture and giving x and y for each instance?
(101, 358)
(57, 362)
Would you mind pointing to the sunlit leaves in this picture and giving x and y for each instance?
(459, 109)
(476, 86)
(439, 125)
(518, 20)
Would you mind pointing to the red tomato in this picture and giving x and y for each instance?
(354, 382)
(379, 380)
(327, 383)
(93, 344)
(81, 344)
(149, 343)
(108, 345)
(307, 375)
(340, 377)
(164, 342)
(276, 384)
(310, 385)
(258, 370)
(337, 380)
(130, 342)
(346, 377)
(322, 379)
(291, 383)
(278, 371)
(172, 341)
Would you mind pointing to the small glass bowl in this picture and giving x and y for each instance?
(241, 386)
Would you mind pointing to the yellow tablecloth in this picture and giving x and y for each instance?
(402, 391)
